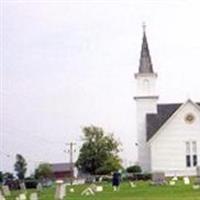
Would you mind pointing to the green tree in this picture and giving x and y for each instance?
(43, 171)
(99, 152)
(1, 177)
(20, 166)
(8, 176)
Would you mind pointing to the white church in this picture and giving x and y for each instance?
(168, 135)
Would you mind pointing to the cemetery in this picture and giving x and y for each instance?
(159, 188)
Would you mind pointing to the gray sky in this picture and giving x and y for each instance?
(69, 64)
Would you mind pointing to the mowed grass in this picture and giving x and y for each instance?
(143, 191)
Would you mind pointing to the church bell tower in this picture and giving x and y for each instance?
(146, 102)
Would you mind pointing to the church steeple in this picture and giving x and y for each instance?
(145, 58)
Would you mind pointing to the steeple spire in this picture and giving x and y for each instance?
(145, 58)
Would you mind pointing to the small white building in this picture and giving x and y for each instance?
(168, 134)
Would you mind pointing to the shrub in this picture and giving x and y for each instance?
(134, 169)
(30, 184)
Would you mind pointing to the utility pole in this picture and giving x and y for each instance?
(71, 154)
(71, 151)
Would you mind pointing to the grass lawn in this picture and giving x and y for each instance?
(143, 191)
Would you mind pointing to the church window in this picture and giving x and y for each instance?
(191, 154)
(194, 160)
(194, 147)
(188, 161)
(194, 151)
(187, 148)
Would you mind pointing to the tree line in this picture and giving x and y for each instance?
(98, 156)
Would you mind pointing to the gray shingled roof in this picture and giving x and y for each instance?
(60, 167)
(155, 121)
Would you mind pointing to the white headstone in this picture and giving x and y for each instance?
(6, 190)
(175, 178)
(39, 187)
(88, 191)
(196, 187)
(33, 196)
(60, 190)
(71, 189)
(22, 196)
(1, 196)
(22, 186)
(132, 184)
(99, 189)
(172, 183)
(186, 180)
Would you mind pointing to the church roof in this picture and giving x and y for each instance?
(155, 121)
(145, 65)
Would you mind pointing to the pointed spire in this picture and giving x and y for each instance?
(145, 58)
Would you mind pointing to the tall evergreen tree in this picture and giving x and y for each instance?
(20, 166)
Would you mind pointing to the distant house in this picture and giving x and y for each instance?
(63, 170)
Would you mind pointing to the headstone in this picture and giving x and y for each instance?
(63, 191)
(197, 180)
(158, 178)
(33, 196)
(22, 196)
(132, 184)
(172, 183)
(6, 190)
(22, 186)
(100, 179)
(1, 196)
(71, 190)
(88, 191)
(79, 181)
(39, 187)
(99, 189)
(196, 187)
(175, 178)
(186, 180)
(60, 190)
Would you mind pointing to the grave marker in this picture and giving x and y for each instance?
(6, 190)
(22, 186)
(197, 180)
(186, 180)
(1, 196)
(33, 196)
(60, 190)
(22, 196)
(158, 178)
(39, 187)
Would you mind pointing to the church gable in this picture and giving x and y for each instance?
(164, 112)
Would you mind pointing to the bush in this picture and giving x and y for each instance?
(134, 169)
(137, 177)
(142, 176)
(31, 184)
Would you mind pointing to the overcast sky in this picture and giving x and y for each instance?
(69, 64)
